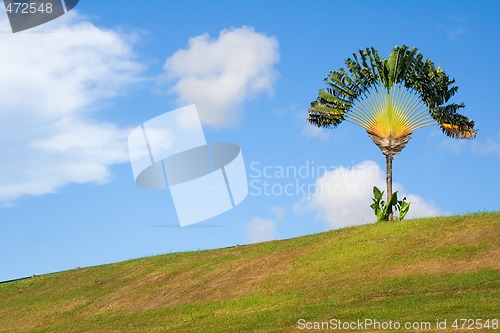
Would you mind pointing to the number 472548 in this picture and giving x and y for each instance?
(475, 324)
(29, 8)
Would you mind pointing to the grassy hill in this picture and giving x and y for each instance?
(415, 271)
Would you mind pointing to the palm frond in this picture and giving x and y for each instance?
(452, 123)
(323, 115)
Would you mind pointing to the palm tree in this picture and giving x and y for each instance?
(390, 98)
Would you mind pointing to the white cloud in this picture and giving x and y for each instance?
(261, 230)
(343, 196)
(419, 207)
(53, 80)
(218, 75)
(312, 131)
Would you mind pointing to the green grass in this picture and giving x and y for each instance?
(417, 270)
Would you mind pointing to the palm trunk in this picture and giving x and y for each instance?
(389, 146)
(388, 179)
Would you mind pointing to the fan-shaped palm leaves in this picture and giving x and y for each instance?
(390, 98)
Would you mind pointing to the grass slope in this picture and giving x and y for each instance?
(417, 270)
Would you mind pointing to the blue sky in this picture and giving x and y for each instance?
(74, 88)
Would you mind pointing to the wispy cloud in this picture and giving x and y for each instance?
(343, 196)
(52, 84)
(261, 230)
(455, 27)
(455, 146)
(218, 75)
(315, 132)
(278, 212)
(490, 146)
(307, 130)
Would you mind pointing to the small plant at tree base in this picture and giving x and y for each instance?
(383, 209)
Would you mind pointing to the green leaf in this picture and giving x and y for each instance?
(377, 193)
(404, 207)
(394, 199)
(378, 204)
